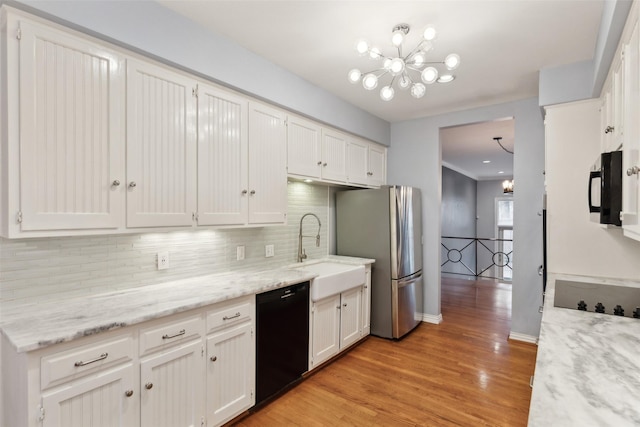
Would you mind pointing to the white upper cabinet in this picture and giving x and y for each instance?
(71, 134)
(366, 163)
(161, 146)
(222, 157)
(304, 154)
(631, 146)
(267, 165)
(334, 156)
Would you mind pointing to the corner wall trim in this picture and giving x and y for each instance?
(523, 337)
(431, 318)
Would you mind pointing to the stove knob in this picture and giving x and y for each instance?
(636, 313)
(599, 308)
(582, 306)
(618, 311)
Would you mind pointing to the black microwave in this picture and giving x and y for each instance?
(605, 198)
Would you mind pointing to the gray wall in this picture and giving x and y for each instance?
(149, 28)
(458, 219)
(415, 159)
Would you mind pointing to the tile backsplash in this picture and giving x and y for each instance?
(33, 270)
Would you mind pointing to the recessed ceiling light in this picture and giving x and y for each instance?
(500, 172)
(486, 161)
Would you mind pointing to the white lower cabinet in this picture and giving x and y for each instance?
(103, 399)
(336, 323)
(171, 387)
(165, 372)
(366, 303)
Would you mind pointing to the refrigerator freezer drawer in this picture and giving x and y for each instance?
(404, 298)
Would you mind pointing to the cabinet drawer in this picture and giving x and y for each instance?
(170, 333)
(231, 312)
(77, 362)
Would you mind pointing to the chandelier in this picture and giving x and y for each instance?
(411, 71)
(507, 186)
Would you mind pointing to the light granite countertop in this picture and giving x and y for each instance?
(588, 367)
(37, 326)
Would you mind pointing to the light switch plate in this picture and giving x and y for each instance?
(269, 251)
(239, 253)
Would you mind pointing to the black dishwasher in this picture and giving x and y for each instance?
(282, 339)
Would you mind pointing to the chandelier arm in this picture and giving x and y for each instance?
(410, 67)
(416, 49)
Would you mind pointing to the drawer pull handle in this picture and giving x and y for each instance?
(97, 359)
(128, 393)
(168, 337)
(231, 317)
(148, 386)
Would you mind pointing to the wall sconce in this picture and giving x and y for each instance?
(507, 186)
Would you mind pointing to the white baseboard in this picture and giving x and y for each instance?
(431, 318)
(523, 337)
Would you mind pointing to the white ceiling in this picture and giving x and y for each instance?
(466, 148)
(502, 43)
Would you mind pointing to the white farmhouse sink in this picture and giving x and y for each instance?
(333, 278)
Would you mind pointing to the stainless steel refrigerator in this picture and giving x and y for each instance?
(386, 224)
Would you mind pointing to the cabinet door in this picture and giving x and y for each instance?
(304, 156)
(377, 166)
(334, 155)
(351, 317)
(222, 157)
(172, 389)
(230, 373)
(104, 399)
(71, 132)
(631, 146)
(618, 105)
(161, 147)
(267, 165)
(325, 326)
(357, 167)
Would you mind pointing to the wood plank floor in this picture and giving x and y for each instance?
(462, 372)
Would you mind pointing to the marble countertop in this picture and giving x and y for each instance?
(40, 325)
(587, 368)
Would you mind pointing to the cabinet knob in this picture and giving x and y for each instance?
(132, 184)
(344, 305)
(252, 192)
(213, 358)
(369, 173)
(633, 171)
(324, 165)
(244, 192)
(338, 307)
(608, 129)
(320, 162)
(128, 393)
(115, 183)
(148, 386)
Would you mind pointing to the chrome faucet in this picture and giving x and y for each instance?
(301, 254)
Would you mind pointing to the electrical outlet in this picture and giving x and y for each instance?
(239, 253)
(269, 251)
(163, 260)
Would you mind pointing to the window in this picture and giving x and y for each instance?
(504, 226)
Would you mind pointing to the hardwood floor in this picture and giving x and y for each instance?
(462, 372)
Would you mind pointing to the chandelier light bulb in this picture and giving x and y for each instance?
(362, 47)
(354, 75)
(396, 67)
(446, 78)
(418, 90)
(430, 33)
(429, 75)
(375, 53)
(452, 61)
(386, 93)
(404, 82)
(370, 81)
(418, 59)
(397, 38)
